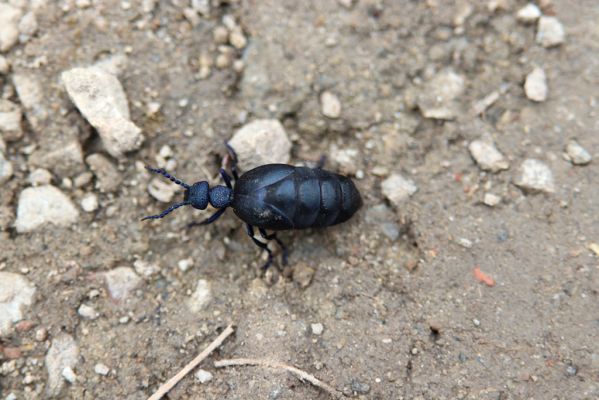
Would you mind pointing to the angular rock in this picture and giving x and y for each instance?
(550, 32)
(487, 156)
(330, 105)
(10, 121)
(535, 176)
(64, 159)
(535, 85)
(529, 13)
(121, 281)
(203, 376)
(491, 199)
(63, 354)
(16, 293)
(30, 92)
(201, 296)
(108, 177)
(6, 169)
(397, 189)
(263, 141)
(27, 26)
(9, 26)
(43, 205)
(575, 153)
(101, 99)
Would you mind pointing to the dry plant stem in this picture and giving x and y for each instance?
(303, 376)
(162, 390)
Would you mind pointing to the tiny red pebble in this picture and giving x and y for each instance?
(12, 352)
(24, 326)
(457, 177)
(482, 277)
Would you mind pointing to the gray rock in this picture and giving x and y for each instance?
(550, 32)
(64, 158)
(108, 177)
(575, 153)
(63, 354)
(397, 189)
(535, 176)
(120, 282)
(10, 121)
(6, 169)
(437, 100)
(16, 292)
(535, 85)
(101, 99)
(529, 14)
(201, 296)
(9, 26)
(330, 105)
(263, 141)
(30, 92)
(42, 205)
(487, 156)
(359, 387)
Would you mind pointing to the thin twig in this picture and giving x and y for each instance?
(303, 376)
(168, 385)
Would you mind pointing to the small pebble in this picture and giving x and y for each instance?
(359, 387)
(161, 190)
(529, 14)
(476, 322)
(16, 294)
(237, 39)
(571, 370)
(101, 369)
(61, 358)
(108, 178)
(550, 32)
(577, 154)
(535, 85)
(331, 106)
(9, 26)
(203, 376)
(69, 375)
(10, 120)
(4, 65)
(89, 203)
(220, 35)
(43, 205)
(487, 156)
(491, 199)
(466, 243)
(317, 329)
(201, 297)
(397, 189)
(185, 264)
(201, 6)
(535, 176)
(121, 282)
(39, 176)
(87, 312)
(145, 268)
(439, 95)
(41, 334)
(263, 141)
(303, 274)
(6, 169)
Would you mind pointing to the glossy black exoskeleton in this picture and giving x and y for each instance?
(274, 197)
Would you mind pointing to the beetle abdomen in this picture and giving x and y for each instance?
(278, 197)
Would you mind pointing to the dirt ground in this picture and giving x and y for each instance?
(384, 307)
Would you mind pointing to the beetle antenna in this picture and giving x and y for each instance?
(167, 211)
(163, 172)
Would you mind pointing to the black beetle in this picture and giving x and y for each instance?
(274, 197)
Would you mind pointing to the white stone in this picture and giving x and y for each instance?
(491, 199)
(161, 190)
(529, 13)
(535, 176)
(237, 38)
(185, 264)
(487, 156)
(397, 189)
(121, 281)
(6, 169)
(263, 141)
(576, 154)
(87, 312)
(28, 25)
(4, 65)
(201, 296)
(201, 6)
(101, 99)
(10, 120)
(43, 205)
(317, 328)
(62, 357)
(39, 176)
(330, 105)
(101, 369)
(9, 26)
(439, 94)
(89, 202)
(550, 32)
(145, 268)
(535, 85)
(16, 293)
(203, 376)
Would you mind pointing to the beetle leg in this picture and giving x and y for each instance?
(250, 232)
(226, 178)
(273, 236)
(233, 157)
(210, 219)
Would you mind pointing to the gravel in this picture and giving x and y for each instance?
(577, 154)
(161, 190)
(397, 189)
(317, 328)
(87, 312)
(63, 354)
(101, 99)
(89, 202)
(6, 169)
(108, 178)
(121, 282)
(201, 297)
(10, 121)
(101, 369)
(529, 14)
(203, 376)
(30, 92)
(16, 293)
(260, 142)
(43, 205)
(550, 32)
(39, 176)
(439, 94)
(9, 26)
(303, 274)
(535, 176)
(487, 156)
(535, 85)
(330, 105)
(491, 199)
